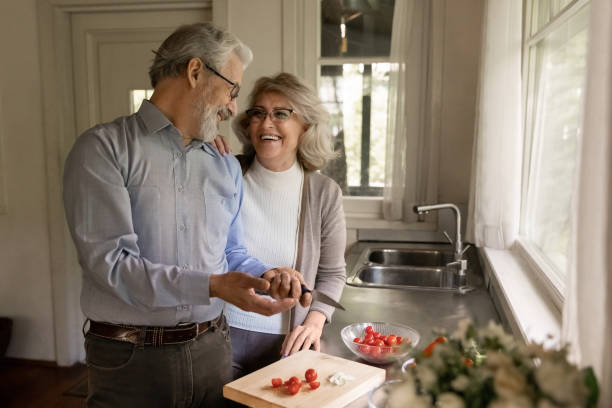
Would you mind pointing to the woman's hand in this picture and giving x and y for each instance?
(306, 335)
(221, 144)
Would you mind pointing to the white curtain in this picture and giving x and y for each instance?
(587, 314)
(408, 87)
(493, 215)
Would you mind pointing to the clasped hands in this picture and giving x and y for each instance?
(283, 284)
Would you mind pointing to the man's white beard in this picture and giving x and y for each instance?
(208, 123)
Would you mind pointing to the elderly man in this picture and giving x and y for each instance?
(154, 212)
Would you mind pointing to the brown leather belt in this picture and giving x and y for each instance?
(150, 336)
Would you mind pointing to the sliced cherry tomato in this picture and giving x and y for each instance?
(314, 384)
(369, 329)
(379, 342)
(375, 352)
(429, 349)
(310, 375)
(399, 339)
(294, 388)
(383, 338)
(277, 382)
(376, 334)
(294, 380)
(357, 340)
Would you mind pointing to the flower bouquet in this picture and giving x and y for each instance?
(486, 367)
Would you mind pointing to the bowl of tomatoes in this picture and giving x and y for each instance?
(380, 342)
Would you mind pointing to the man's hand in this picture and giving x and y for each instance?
(286, 282)
(239, 289)
(221, 144)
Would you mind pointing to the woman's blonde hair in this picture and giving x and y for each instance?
(315, 148)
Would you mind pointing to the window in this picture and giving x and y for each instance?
(353, 77)
(555, 58)
(136, 98)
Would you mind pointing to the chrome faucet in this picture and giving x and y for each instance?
(459, 250)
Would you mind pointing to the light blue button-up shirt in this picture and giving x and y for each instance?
(151, 220)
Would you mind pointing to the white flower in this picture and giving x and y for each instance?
(404, 395)
(462, 328)
(498, 359)
(509, 382)
(517, 402)
(427, 376)
(449, 400)
(543, 403)
(495, 331)
(460, 383)
(560, 381)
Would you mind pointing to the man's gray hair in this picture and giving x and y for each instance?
(211, 44)
(315, 147)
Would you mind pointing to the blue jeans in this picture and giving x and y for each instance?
(190, 374)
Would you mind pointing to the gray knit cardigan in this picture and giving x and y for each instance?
(321, 240)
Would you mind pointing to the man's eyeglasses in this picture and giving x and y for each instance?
(235, 87)
(276, 115)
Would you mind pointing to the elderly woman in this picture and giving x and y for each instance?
(292, 215)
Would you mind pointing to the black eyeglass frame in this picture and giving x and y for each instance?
(235, 87)
(250, 115)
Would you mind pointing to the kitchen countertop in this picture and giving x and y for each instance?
(422, 310)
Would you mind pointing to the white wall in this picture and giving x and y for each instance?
(25, 279)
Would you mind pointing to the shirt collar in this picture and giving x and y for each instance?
(152, 117)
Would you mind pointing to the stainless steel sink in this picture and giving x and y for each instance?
(423, 267)
(411, 257)
(414, 276)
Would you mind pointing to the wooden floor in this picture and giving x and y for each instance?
(26, 383)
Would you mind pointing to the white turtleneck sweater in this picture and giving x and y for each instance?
(270, 218)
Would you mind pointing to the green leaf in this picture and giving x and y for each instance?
(591, 384)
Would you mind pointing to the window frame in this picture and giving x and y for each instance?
(360, 211)
(539, 266)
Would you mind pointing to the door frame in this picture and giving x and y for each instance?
(59, 134)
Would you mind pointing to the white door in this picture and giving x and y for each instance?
(112, 53)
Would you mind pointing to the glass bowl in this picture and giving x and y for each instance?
(380, 354)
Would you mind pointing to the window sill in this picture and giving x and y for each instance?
(525, 307)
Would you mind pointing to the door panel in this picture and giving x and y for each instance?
(112, 55)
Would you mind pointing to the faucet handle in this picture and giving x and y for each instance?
(465, 248)
(448, 237)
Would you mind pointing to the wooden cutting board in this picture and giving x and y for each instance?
(255, 389)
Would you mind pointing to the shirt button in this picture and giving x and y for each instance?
(185, 307)
(181, 227)
(180, 188)
(179, 155)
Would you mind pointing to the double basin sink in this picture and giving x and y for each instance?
(424, 266)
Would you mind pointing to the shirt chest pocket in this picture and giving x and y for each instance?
(219, 214)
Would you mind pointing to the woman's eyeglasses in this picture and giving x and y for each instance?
(276, 115)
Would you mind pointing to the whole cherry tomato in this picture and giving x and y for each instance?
(277, 382)
(391, 340)
(294, 388)
(310, 375)
(314, 385)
